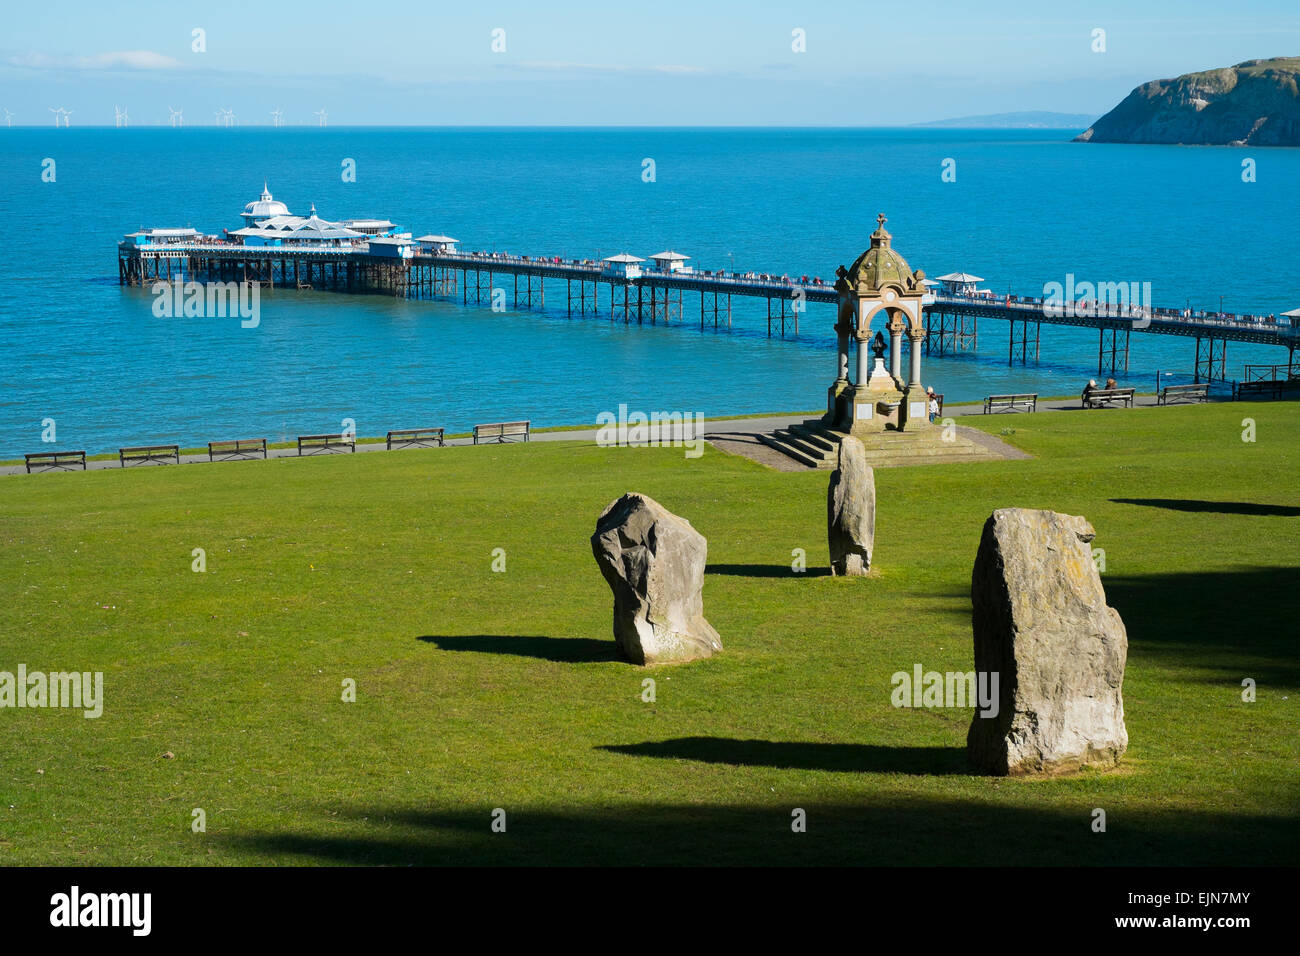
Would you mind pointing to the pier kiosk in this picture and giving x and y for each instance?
(879, 283)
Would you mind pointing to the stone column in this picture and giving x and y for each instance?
(915, 377)
(842, 359)
(896, 353)
(864, 360)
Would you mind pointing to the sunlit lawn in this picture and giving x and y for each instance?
(480, 690)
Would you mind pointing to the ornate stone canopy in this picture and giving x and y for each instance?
(881, 266)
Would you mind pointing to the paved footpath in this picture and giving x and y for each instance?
(727, 432)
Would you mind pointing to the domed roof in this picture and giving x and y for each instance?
(880, 265)
(264, 207)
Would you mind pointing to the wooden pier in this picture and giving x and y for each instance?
(590, 287)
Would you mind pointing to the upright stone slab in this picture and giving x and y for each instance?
(654, 563)
(851, 511)
(1042, 624)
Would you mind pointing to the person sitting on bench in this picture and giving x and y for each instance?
(1089, 389)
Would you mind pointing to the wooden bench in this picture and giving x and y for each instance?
(1183, 393)
(236, 448)
(416, 437)
(324, 444)
(56, 460)
(147, 453)
(1026, 400)
(1268, 388)
(501, 432)
(1104, 397)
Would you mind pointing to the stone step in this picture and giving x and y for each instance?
(817, 427)
(816, 438)
(959, 446)
(805, 445)
(891, 461)
(790, 451)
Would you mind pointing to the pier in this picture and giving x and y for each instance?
(309, 253)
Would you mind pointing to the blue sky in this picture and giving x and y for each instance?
(585, 63)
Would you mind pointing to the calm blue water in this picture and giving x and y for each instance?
(1027, 208)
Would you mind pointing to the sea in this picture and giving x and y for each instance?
(1209, 228)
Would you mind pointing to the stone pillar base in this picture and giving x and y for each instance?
(914, 413)
(837, 405)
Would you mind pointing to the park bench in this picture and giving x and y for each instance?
(1010, 403)
(1183, 393)
(326, 444)
(416, 437)
(1268, 388)
(56, 459)
(501, 432)
(147, 453)
(236, 448)
(1104, 397)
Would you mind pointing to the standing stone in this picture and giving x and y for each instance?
(1042, 625)
(654, 563)
(851, 510)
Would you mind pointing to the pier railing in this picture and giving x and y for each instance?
(1282, 330)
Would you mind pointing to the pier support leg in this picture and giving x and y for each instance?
(1211, 359)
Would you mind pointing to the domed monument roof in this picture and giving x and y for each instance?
(880, 265)
(264, 207)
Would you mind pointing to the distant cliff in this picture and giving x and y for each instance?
(1255, 103)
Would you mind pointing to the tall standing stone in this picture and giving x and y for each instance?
(851, 510)
(1042, 625)
(654, 562)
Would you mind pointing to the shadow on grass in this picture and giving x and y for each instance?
(561, 650)
(1239, 622)
(793, 755)
(1215, 507)
(881, 830)
(765, 571)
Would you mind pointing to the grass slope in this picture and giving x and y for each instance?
(479, 690)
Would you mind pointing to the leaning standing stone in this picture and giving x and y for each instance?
(851, 510)
(654, 563)
(1042, 625)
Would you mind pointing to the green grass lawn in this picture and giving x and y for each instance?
(478, 690)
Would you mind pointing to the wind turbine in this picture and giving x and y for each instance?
(120, 118)
(60, 114)
(8, 118)
(322, 115)
(275, 116)
(225, 117)
(177, 117)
